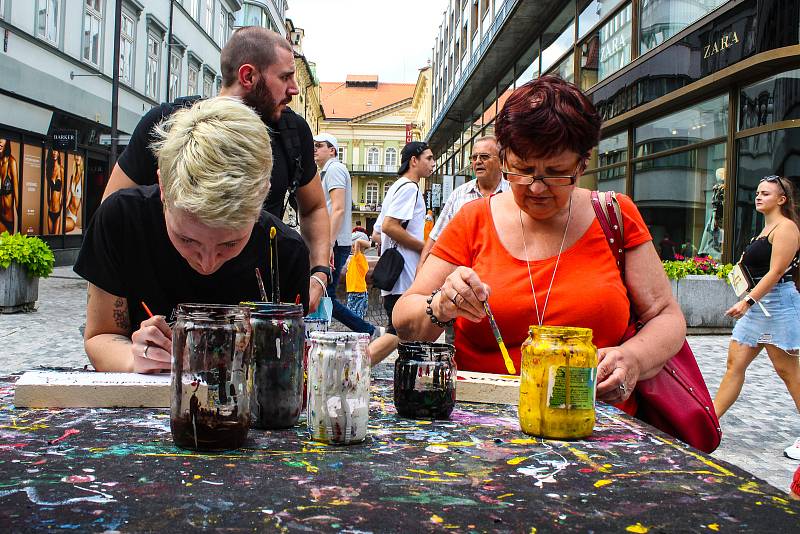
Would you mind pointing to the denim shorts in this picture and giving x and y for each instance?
(782, 329)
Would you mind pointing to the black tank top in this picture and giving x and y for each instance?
(757, 256)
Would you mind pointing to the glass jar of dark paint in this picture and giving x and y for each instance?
(425, 380)
(212, 377)
(278, 347)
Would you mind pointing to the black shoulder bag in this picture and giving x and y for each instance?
(391, 262)
(290, 139)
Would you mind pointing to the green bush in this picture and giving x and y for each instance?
(681, 267)
(30, 252)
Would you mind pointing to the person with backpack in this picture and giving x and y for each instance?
(402, 225)
(257, 67)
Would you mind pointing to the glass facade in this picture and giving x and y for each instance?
(693, 159)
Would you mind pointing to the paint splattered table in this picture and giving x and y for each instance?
(109, 469)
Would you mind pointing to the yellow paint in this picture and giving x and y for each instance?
(452, 527)
(339, 502)
(507, 359)
(516, 461)
(780, 500)
(188, 484)
(583, 457)
(714, 527)
(197, 477)
(424, 422)
(601, 483)
(503, 496)
(457, 443)
(638, 528)
(721, 471)
(533, 530)
(427, 479)
(434, 473)
(436, 519)
(272, 232)
(751, 487)
(525, 441)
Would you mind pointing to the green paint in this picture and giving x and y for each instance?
(432, 498)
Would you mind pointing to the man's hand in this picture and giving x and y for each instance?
(152, 346)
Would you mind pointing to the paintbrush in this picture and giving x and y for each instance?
(499, 339)
(273, 244)
(261, 285)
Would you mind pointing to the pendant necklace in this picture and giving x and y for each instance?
(539, 318)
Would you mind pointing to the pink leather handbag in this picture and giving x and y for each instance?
(676, 400)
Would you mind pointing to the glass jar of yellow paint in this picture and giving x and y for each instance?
(558, 382)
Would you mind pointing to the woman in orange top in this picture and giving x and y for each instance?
(538, 250)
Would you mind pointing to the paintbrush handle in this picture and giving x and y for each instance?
(496, 331)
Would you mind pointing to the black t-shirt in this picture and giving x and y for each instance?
(126, 252)
(140, 163)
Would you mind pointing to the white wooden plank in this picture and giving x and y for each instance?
(487, 387)
(87, 389)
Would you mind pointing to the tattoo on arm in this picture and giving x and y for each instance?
(121, 318)
(121, 339)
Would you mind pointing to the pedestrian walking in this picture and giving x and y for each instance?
(772, 260)
(337, 187)
(356, 276)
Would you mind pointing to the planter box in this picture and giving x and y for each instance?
(703, 300)
(18, 292)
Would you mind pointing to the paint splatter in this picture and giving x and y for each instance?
(638, 528)
(436, 519)
(603, 482)
(66, 434)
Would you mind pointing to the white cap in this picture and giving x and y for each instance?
(328, 138)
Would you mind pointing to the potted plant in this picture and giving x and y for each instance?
(700, 285)
(23, 260)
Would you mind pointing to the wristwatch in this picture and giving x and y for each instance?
(750, 301)
(324, 269)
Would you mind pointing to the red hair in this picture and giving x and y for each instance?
(545, 117)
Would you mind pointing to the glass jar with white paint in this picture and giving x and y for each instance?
(338, 387)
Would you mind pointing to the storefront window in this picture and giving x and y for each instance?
(593, 13)
(9, 185)
(772, 100)
(659, 19)
(613, 149)
(702, 122)
(31, 196)
(565, 70)
(680, 197)
(558, 38)
(758, 156)
(527, 67)
(607, 50)
(612, 179)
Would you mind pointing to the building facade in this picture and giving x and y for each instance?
(55, 92)
(307, 103)
(700, 99)
(268, 14)
(371, 121)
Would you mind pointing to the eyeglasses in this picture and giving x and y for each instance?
(550, 181)
(775, 179)
(483, 157)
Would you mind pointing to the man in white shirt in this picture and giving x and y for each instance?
(337, 187)
(488, 180)
(402, 224)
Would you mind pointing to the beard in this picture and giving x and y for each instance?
(260, 100)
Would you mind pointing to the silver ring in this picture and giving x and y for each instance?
(624, 388)
(454, 301)
(145, 351)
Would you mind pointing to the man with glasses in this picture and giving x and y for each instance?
(337, 187)
(488, 180)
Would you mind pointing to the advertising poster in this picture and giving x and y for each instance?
(31, 181)
(54, 181)
(9, 185)
(74, 194)
(436, 194)
(447, 187)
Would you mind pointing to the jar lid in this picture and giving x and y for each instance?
(212, 312)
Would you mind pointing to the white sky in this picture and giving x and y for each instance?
(390, 38)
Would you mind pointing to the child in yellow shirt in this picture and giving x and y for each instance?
(356, 278)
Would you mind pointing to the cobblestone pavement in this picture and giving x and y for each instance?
(756, 429)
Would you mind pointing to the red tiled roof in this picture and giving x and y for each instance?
(342, 102)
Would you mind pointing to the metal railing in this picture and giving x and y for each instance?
(376, 169)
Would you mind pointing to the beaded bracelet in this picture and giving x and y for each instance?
(434, 319)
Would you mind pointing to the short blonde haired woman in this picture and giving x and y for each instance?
(197, 236)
